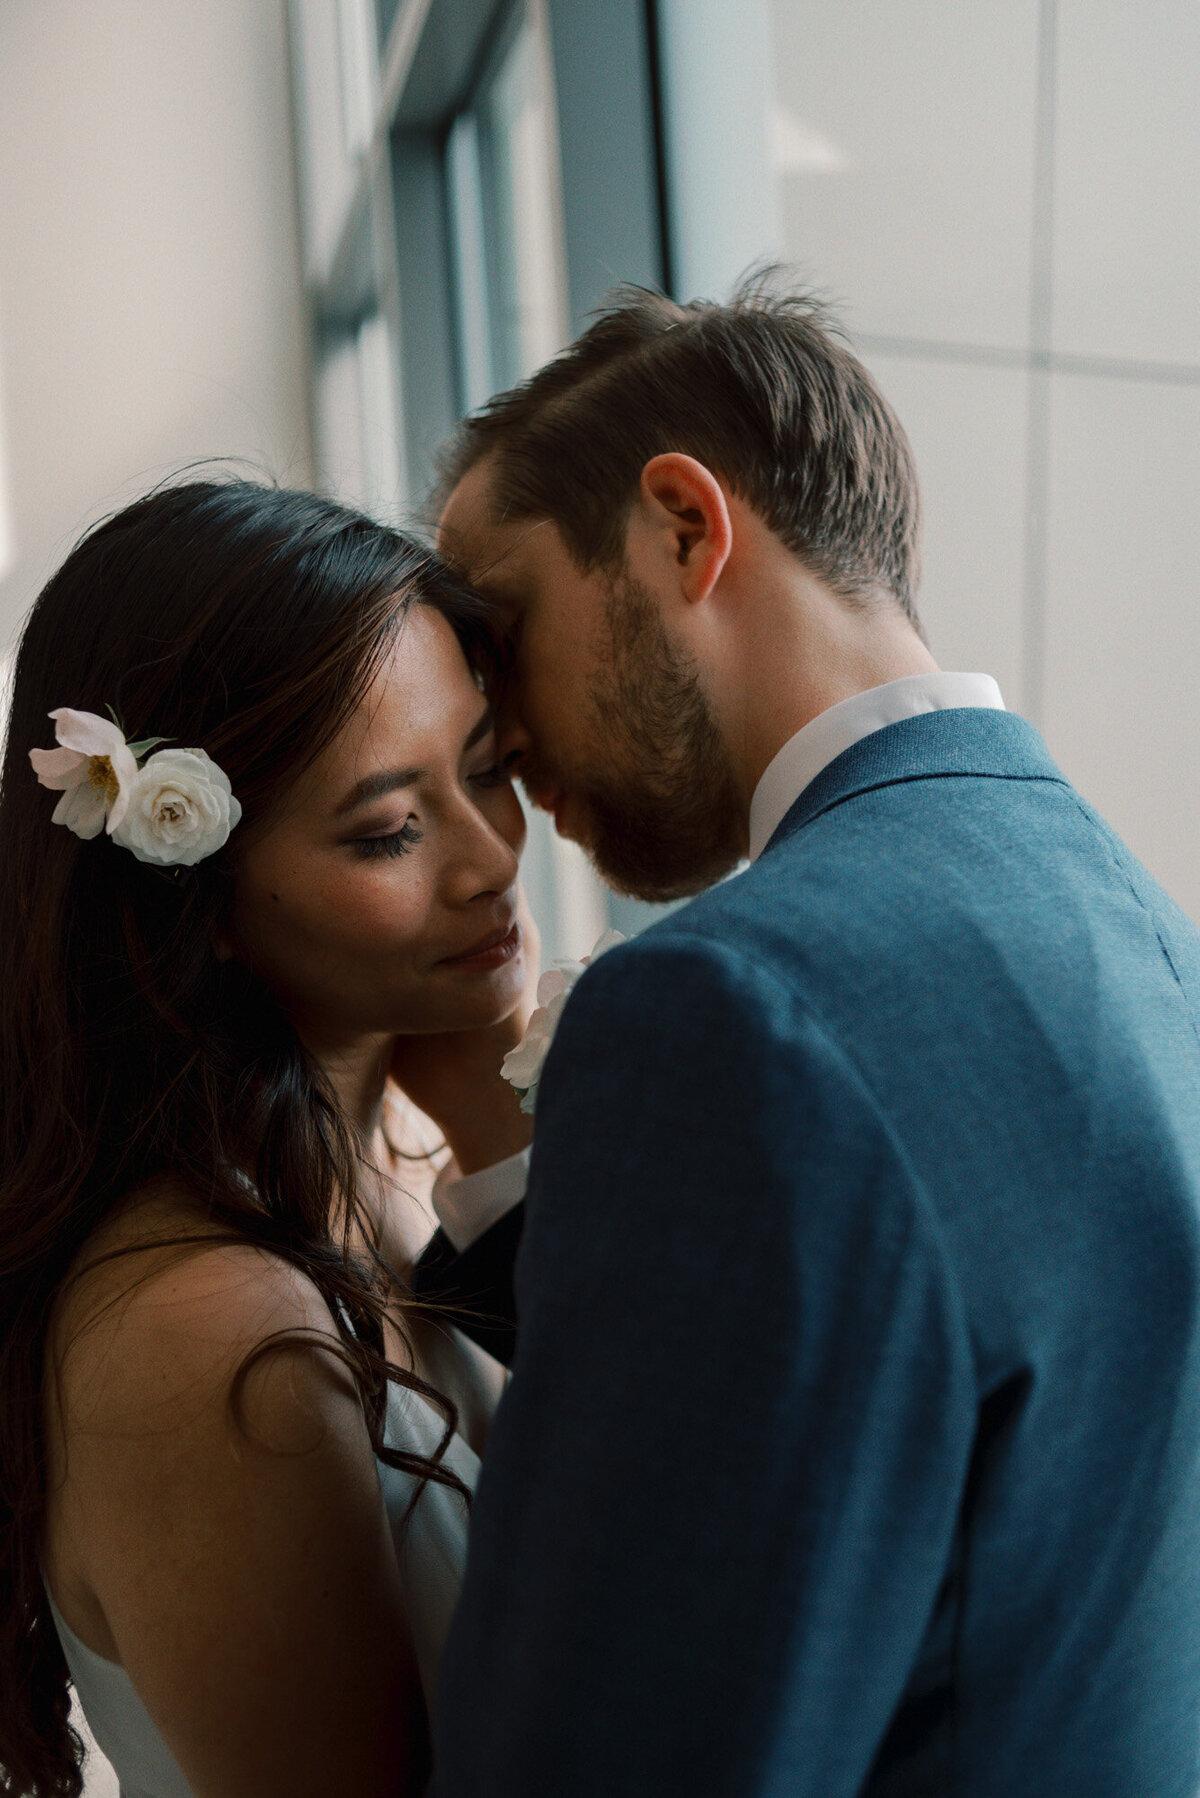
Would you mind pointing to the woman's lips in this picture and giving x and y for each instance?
(491, 951)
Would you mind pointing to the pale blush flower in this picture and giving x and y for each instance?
(557, 981)
(94, 769)
(608, 941)
(181, 809)
(522, 1066)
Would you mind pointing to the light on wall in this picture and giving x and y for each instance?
(8, 547)
(8, 556)
(798, 148)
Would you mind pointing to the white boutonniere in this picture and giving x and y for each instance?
(522, 1066)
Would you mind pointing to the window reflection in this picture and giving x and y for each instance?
(521, 201)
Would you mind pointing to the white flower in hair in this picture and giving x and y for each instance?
(181, 809)
(522, 1066)
(94, 769)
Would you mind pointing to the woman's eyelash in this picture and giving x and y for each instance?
(399, 842)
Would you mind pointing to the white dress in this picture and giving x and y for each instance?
(431, 1552)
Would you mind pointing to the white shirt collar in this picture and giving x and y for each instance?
(466, 1205)
(824, 737)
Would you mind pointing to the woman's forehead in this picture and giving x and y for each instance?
(423, 700)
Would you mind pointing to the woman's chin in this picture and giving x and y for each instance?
(497, 993)
(475, 1002)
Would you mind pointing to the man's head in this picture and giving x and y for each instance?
(622, 505)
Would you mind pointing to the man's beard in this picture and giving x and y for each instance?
(663, 818)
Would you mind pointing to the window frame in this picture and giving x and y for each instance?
(374, 123)
(389, 302)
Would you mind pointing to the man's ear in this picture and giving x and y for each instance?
(683, 497)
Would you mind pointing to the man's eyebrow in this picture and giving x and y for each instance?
(491, 574)
(481, 727)
(390, 780)
(491, 577)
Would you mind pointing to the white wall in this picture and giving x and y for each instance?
(151, 306)
(1016, 227)
(1003, 198)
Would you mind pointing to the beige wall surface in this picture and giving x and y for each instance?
(151, 302)
(1005, 197)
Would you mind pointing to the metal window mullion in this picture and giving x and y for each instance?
(612, 225)
(469, 254)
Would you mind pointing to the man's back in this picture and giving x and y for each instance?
(1024, 1003)
(861, 1345)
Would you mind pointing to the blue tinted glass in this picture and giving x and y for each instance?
(519, 192)
(385, 13)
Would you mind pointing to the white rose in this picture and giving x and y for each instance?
(522, 1066)
(181, 809)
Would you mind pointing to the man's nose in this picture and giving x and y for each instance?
(514, 745)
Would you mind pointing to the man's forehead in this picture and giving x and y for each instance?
(480, 544)
(468, 507)
(468, 532)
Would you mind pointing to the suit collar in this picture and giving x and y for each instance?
(839, 727)
(960, 741)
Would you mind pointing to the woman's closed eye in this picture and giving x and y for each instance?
(396, 842)
(399, 842)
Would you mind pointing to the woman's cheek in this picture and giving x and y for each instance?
(382, 903)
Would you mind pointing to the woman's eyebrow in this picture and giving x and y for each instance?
(374, 786)
(390, 780)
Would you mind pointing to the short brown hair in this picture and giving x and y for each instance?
(759, 390)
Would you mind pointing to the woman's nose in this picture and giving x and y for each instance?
(484, 863)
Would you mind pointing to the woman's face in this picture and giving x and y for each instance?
(382, 897)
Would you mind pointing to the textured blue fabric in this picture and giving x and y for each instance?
(853, 1443)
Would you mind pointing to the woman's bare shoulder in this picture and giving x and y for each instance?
(234, 1557)
(162, 1300)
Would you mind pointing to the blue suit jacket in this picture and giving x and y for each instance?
(853, 1444)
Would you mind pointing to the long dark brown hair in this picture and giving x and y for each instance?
(250, 621)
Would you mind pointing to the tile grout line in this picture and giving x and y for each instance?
(1059, 362)
(1041, 298)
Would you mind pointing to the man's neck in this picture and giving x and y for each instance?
(804, 658)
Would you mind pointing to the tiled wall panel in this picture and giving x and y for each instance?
(1123, 613)
(1127, 179)
(1003, 201)
(967, 427)
(904, 137)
